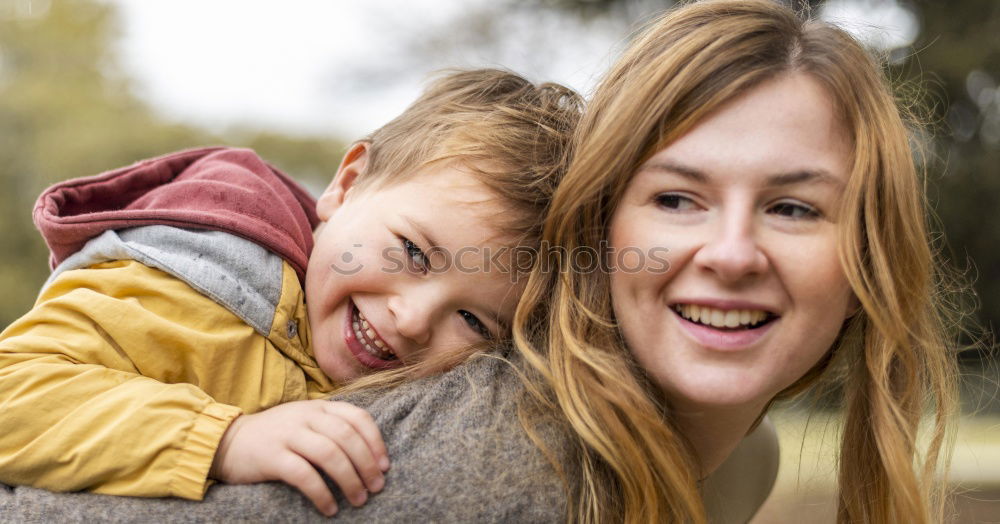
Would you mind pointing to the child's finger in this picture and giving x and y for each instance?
(329, 456)
(300, 474)
(354, 446)
(365, 425)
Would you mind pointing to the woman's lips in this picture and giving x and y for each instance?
(724, 339)
(357, 347)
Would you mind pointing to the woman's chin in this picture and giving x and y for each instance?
(718, 392)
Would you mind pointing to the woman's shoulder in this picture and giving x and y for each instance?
(487, 385)
(459, 452)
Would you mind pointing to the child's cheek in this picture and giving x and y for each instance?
(367, 268)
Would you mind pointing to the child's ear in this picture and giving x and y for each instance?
(351, 167)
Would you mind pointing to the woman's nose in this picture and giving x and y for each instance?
(732, 251)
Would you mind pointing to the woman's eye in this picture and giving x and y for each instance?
(475, 323)
(792, 210)
(416, 254)
(675, 202)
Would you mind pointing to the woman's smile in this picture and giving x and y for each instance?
(717, 327)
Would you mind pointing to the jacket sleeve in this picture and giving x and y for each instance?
(96, 387)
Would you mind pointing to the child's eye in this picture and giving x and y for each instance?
(416, 255)
(795, 211)
(475, 324)
(675, 202)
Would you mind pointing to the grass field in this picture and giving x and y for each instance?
(806, 484)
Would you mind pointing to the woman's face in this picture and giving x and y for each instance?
(745, 206)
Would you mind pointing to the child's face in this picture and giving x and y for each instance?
(405, 271)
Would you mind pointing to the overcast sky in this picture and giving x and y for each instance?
(344, 67)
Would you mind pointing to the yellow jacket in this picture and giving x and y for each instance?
(122, 380)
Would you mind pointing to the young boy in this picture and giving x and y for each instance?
(194, 293)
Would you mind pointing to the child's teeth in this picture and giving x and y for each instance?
(365, 334)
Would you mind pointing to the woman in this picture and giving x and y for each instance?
(766, 156)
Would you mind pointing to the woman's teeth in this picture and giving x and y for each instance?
(719, 318)
(368, 339)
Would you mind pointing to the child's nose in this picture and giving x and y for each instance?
(413, 317)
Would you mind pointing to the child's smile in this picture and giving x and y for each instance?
(365, 343)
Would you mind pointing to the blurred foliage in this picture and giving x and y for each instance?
(593, 8)
(66, 110)
(957, 58)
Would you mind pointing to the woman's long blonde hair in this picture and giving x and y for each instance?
(687, 64)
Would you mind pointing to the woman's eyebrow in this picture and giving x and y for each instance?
(817, 176)
(668, 166)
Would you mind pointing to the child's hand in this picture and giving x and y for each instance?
(284, 442)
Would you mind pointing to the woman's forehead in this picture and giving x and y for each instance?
(784, 126)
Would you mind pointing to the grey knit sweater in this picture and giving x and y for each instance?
(458, 455)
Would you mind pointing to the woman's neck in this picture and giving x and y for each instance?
(714, 431)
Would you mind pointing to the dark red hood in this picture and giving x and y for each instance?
(215, 188)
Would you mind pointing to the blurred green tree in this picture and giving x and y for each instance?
(957, 59)
(67, 110)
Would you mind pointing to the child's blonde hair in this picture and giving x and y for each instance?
(512, 135)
